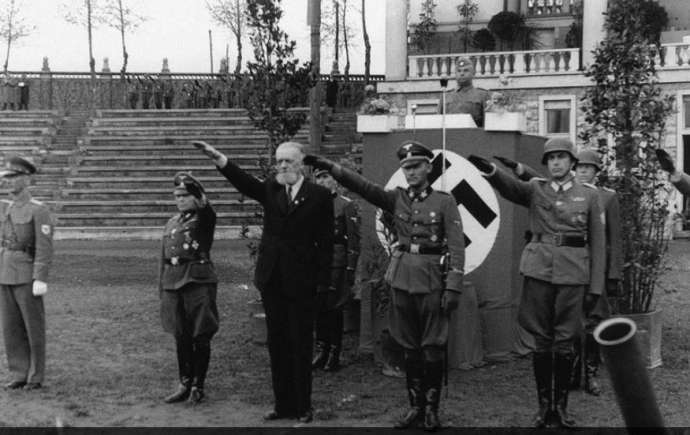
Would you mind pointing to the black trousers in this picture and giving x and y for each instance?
(290, 325)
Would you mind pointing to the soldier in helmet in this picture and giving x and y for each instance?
(188, 285)
(563, 267)
(428, 226)
(679, 179)
(466, 98)
(329, 315)
(26, 253)
(587, 354)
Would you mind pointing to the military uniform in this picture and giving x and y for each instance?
(188, 284)
(467, 98)
(565, 258)
(132, 93)
(26, 253)
(329, 312)
(427, 224)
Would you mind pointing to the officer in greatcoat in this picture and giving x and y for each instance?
(563, 267)
(346, 243)
(26, 253)
(427, 223)
(188, 285)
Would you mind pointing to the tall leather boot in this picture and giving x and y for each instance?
(433, 375)
(184, 349)
(591, 366)
(414, 373)
(576, 374)
(333, 362)
(321, 349)
(563, 368)
(202, 356)
(542, 365)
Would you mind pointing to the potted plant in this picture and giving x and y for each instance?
(625, 103)
(502, 112)
(376, 116)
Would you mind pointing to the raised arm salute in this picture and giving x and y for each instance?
(294, 263)
(428, 226)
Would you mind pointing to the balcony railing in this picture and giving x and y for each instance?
(549, 8)
(491, 64)
(530, 63)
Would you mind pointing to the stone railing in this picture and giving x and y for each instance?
(488, 64)
(673, 56)
(549, 8)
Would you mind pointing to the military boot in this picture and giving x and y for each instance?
(433, 375)
(184, 350)
(414, 415)
(563, 368)
(542, 364)
(321, 355)
(202, 356)
(576, 373)
(333, 361)
(591, 366)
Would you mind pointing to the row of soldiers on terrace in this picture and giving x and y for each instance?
(14, 93)
(150, 92)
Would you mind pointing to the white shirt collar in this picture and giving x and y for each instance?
(565, 186)
(296, 187)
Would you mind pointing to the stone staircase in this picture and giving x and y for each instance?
(121, 185)
(340, 134)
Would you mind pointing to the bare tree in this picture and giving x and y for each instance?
(121, 17)
(87, 15)
(13, 25)
(346, 40)
(231, 14)
(333, 16)
(367, 45)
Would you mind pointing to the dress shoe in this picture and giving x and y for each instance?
(196, 396)
(33, 386)
(181, 394)
(275, 415)
(15, 385)
(306, 417)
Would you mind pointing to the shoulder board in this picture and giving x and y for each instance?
(6, 201)
(590, 185)
(441, 192)
(35, 201)
(345, 198)
(608, 189)
(540, 179)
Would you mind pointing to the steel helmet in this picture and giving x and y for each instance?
(589, 157)
(558, 144)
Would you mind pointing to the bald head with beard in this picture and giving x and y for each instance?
(289, 164)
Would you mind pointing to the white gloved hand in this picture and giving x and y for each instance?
(40, 288)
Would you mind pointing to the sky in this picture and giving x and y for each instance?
(176, 29)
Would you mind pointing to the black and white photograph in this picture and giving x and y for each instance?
(347, 216)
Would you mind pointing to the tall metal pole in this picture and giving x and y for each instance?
(210, 48)
(314, 16)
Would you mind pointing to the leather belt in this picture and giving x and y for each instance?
(573, 241)
(415, 248)
(182, 261)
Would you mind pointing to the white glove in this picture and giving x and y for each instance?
(40, 288)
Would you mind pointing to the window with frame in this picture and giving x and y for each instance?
(686, 110)
(557, 116)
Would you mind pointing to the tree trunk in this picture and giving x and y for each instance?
(92, 61)
(125, 55)
(10, 19)
(315, 100)
(238, 36)
(367, 45)
(346, 42)
(336, 61)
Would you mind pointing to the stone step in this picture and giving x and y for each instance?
(159, 171)
(142, 182)
(24, 149)
(22, 139)
(124, 207)
(157, 219)
(180, 121)
(28, 131)
(27, 123)
(174, 113)
(182, 148)
(174, 130)
(256, 137)
(189, 159)
(165, 191)
(29, 114)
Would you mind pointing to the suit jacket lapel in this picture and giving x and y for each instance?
(281, 198)
(299, 198)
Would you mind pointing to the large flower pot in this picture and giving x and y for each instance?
(504, 121)
(648, 336)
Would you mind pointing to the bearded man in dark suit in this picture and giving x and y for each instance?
(294, 264)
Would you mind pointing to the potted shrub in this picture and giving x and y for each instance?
(502, 113)
(375, 116)
(626, 104)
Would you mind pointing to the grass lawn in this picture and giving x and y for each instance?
(109, 362)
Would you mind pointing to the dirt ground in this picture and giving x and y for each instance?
(109, 363)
